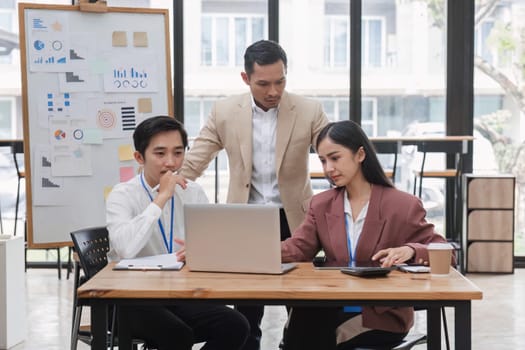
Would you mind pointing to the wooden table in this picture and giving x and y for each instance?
(302, 286)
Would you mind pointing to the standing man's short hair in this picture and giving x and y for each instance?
(263, 52)
(153, 126)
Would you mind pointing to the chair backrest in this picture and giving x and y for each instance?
(391, 149)
(91, 245)
(438, 146)
(17, 147)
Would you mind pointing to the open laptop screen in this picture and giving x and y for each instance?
(233, 238)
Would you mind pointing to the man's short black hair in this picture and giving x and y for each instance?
(153, 126)
(263, 52)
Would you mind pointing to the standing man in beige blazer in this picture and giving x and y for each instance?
(267, 134)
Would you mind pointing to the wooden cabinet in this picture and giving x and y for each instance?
(489, 224)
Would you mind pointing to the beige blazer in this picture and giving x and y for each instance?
(229, 127)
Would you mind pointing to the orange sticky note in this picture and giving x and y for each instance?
(119, 39)
(140, 39)
(125, 152)
(144, 105)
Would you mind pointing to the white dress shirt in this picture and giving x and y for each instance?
(264, 188)
(132, 218)
(354, 228)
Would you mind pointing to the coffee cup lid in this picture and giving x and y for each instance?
(440, 246)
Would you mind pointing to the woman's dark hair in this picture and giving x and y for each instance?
(263, 52)
(350, 135)
(153, 126)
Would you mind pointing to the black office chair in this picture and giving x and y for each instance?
(454, 224)
(391, 149)
(17, 147)
(91, 246)
(408, 343)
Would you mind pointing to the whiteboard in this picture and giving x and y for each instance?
(87, 80)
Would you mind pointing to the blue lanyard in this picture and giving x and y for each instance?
(351, 251)
(352, 308)
(170, 246)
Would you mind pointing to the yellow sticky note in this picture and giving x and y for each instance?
(125, 152)
(119, 38)
(106, 192)
(140, 39)
(144, 105)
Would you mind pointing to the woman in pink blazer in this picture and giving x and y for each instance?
(362, 218)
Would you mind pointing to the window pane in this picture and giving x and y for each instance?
(206, 41)
(240, 40)
(318, 51)
(192, 113)
(257, 28)
(222, 41)
(344, 109)
(499, 122)
(6, 21)
(367, 111)
(327, 43)
(483, 48)
(329, 109)
(403, 80)
(6, 119)
(7, 4)
(213, 58)
(341, 42)
(375, 42)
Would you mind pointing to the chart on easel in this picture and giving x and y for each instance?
(91, 78)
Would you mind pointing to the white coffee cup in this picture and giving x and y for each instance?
(440, 255)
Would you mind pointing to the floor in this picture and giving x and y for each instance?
(497, 321)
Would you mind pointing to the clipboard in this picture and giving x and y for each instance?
(154, 262)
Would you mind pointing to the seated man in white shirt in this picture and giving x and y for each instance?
(144, 221)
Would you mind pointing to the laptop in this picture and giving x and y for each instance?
(241, 238)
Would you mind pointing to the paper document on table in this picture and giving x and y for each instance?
(155, 262)
(414, 268)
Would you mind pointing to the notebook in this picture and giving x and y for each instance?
(155, 262)
(233, 238)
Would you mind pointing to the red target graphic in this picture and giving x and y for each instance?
(106, 119)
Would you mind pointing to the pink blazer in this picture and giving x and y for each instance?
(394, 219)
